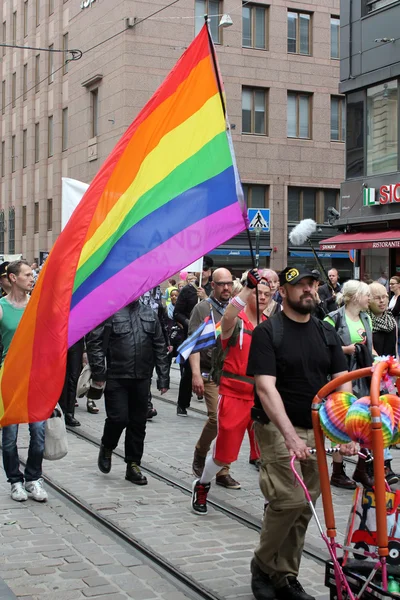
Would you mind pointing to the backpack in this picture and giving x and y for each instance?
(219, 354)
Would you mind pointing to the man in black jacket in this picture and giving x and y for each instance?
(123, 352)
(327, 293)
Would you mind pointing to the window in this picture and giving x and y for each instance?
(3, 97)
(299, 33)
(13, 89)
(254, 26)
(11, 230)
(212, 8)
(49, 214)
(65, 55)
(335, 37)
(37, 13)
(254, 111)
(50, 137)
(36, 142)
(26, 22)
(338, 119)
(51, 7)
(64, 133)
(355, 135)
(14, 27)
(2, 232)
(51, 63)
(382, 128)
(24, 220)
(299, 115)
(311, 203)
(36, 218)
(13, 157)
(3, 159)
(24, 148)
(376, 4)
(94, 109)
(37, 73)
(256, 196)
(25, 82)
(4, 38)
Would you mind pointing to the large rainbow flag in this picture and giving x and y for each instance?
(168, 193)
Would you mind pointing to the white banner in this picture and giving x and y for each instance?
(195, 267)
(72, 193)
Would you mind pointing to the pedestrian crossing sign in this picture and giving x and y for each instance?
(258, 218)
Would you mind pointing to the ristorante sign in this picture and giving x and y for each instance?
(387, 194)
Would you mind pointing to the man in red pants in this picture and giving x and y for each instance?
(236, 389)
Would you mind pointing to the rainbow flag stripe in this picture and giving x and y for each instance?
(168, 193)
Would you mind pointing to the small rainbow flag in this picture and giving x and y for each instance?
(168, 193)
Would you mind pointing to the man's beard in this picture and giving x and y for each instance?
(298, 306)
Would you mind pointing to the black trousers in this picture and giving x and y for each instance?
(185, 386)
(126, 408)
(74, 368)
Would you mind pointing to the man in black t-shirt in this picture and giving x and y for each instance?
(290, 362)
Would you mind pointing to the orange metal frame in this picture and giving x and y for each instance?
(380, 369)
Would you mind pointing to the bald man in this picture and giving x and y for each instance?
(222, 283)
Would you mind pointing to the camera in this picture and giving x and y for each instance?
(332, 212)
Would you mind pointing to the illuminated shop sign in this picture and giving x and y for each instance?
(387, 194)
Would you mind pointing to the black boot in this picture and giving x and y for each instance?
(340, 479)
(360, 475)
(134, 474)
(293, 591)
(390, 476)
(71, 421)
(261, 584)
(104, 460)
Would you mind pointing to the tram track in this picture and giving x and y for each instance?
(242, 517)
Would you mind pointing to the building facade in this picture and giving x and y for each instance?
(370, 194)
(62, 115)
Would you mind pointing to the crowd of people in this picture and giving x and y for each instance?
(282, 336)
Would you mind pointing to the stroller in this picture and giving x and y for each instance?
(369, 560)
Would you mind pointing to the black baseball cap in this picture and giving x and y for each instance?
(3, 268)
(294, 274)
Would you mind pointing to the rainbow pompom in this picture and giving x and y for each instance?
(332, 416)
(394, 402)
(358, 422)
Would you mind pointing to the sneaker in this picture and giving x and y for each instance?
(256, 462)
(227, 482)
(293, 591)
(200, 398)
(390, 476)
(18, 493)
(181, 412)
(134, 474)
(151, 413)
(199, 497)
(261, 584)
(198, 464)
(36, 490)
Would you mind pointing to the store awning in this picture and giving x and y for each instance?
(363, 239)
(305, 254)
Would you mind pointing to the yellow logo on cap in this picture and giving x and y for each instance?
(290, 275)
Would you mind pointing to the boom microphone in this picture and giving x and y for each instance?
(302, 232)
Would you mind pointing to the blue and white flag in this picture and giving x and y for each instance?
(204, 337)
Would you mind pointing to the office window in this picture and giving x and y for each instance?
(3, 97)
(376, 4)
(26, 22)
(36, 218)
(254, 111)
(13, 89)
(299, 115)
(338, 119)
(335, 37)
(51, 63)
(24, 148)
(37, 13)
(355, 134)
(212, 8)
(36, 142)
(51, 7)
(299, 33)
(65, 55)
(3, 159)
(37, 73)
(24, 220)
(254, 26)
(49, 214)
(4, 38)
(50, 137)
(64, 133)
(331, 199)
(14, 27)
(382, 118)
(13, 157)
(311, 203)
(25, 82)
(2, 232)
(94, 109)
(11, 230)
(256, 196)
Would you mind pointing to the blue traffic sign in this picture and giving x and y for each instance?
(258, 218)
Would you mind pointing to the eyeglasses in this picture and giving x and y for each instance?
(224, 283)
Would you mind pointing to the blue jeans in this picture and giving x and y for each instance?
(33, 469)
